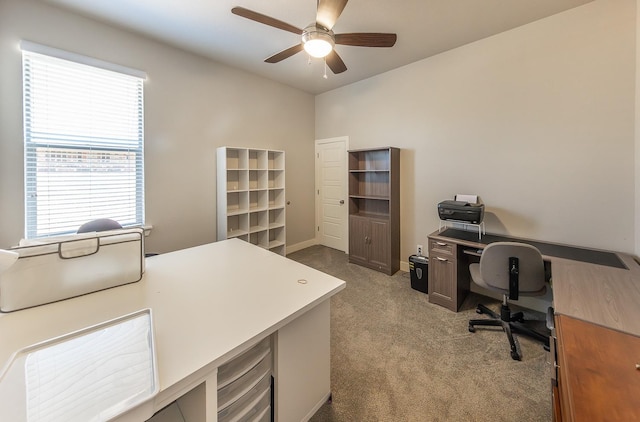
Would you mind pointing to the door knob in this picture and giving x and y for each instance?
(341, 201)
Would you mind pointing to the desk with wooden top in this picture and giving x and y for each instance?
(596, 299)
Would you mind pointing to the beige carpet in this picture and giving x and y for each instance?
(396, 357)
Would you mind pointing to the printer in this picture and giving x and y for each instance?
(461, 211)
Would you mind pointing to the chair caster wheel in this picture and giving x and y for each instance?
(515, 355)
(472, 329)
(478, 311)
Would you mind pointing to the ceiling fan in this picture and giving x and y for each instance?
(317, 38)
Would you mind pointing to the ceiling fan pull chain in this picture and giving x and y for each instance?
(325, 68)
(309, 60)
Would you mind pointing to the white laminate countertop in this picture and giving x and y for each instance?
(208, 303)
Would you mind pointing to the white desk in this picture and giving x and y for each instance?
(209, 303)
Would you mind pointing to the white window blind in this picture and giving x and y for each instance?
(84, 139)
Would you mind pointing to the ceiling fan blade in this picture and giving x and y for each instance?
(367, 39)
(329, 11)
(284, 54)
(264, 19)
(335, 63)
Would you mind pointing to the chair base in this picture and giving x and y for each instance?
(511, 324)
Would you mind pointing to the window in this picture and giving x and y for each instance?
(84, 139)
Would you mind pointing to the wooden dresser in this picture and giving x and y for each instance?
(596, 373)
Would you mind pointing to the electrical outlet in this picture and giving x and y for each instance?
(419, 250)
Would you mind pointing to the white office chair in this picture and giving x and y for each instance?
(512, 269)
(99, 225)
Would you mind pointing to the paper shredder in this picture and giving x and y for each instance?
(419, 272)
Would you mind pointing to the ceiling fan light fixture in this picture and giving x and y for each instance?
(317, 42)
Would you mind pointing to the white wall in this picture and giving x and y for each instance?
(539, 121)
(192, 106)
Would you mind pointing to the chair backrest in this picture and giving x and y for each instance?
(494, 266)
(99, 225)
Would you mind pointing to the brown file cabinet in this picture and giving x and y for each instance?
(594, 373)
(443, 275)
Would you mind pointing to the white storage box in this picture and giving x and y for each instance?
(77, 265)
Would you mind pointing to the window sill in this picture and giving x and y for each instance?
(147, 229)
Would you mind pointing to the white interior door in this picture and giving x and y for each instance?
(331, 193)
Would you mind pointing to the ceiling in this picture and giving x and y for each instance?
(424, 28)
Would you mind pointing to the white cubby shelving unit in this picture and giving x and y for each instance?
(251, 197)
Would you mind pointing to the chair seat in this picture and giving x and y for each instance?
(474, 270)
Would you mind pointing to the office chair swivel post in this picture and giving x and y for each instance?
(510, 323)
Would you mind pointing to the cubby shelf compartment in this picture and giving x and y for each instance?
(236, 159)
(258, 221)
(275, 160)
(258, 179)
(251, 196)
(275, 179)
(276, 218)
(276, 198)
(237, 180)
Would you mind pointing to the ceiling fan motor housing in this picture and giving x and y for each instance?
(318, 41)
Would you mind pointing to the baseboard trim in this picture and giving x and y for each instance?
(317, 407)
(404, 266)
(299, 246)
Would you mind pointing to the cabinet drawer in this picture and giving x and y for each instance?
(449, 257)
(232, 392)
(249, 405)
(264, 415)
(442, 257)
(442, 248)
(242, 364)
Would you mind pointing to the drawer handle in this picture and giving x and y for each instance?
(441, 259)
(441, 244)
